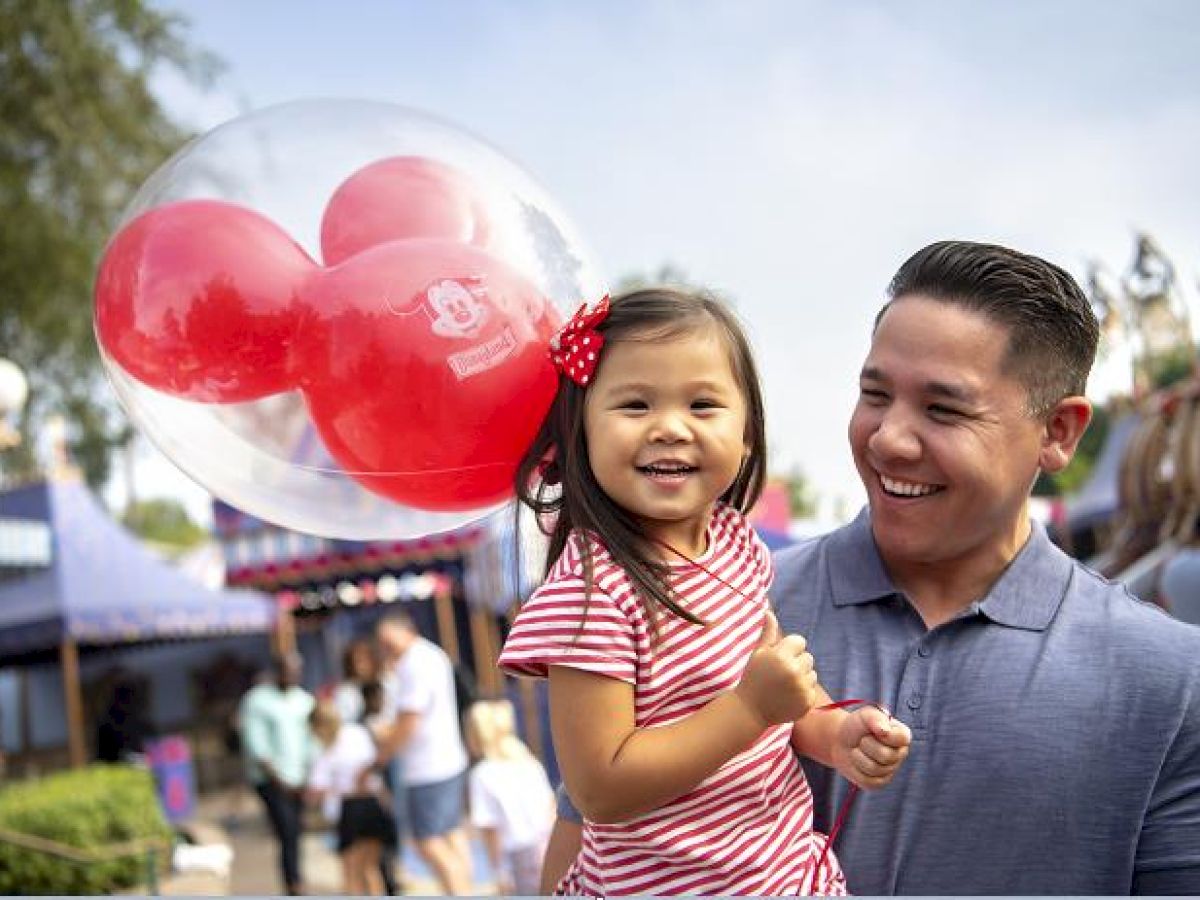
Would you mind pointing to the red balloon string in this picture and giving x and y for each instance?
(844, 810)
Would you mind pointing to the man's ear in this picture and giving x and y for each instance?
(1065, 425)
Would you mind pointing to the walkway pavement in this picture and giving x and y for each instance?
(236, 817)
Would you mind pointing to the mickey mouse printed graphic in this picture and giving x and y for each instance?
(454, 310)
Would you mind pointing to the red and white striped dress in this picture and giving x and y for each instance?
(747, 829)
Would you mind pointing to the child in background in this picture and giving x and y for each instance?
(511, 801)
(675, 705)
(345, 781)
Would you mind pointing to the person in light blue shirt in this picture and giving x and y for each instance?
(1055, 718)
(277, 742)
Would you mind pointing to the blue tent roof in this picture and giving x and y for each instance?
(103, 587)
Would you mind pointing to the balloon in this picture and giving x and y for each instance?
(427, 373)
(397, 198)
(193, 298)
(386, 394)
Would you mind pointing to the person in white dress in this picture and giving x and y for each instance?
(510, 798)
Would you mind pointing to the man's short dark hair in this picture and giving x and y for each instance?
(1053, 332)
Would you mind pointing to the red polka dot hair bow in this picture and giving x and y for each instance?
(575, 350)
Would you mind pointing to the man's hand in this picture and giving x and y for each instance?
(870, 747)
(780, 680)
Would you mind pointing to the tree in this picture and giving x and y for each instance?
(163, 521)
(801, 495)
(79, 132)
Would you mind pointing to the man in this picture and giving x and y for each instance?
(273, 719)
(426, 738)
(1055, 719)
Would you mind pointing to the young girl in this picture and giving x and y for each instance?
(511, 801)
(674, 704)
(344, 780)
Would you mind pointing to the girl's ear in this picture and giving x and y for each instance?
(1065, 425)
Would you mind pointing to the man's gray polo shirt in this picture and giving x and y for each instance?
(1056, 727)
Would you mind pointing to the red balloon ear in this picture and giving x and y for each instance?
(195, 299)
(400, 198)
(427, 373)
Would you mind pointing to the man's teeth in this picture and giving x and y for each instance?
(906, 488)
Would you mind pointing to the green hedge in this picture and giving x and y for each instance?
(89, 809)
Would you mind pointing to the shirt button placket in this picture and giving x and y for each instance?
(913, 692)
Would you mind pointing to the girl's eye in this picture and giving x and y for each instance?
(705, 404)
(639, 405)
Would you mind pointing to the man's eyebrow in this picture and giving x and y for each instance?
(951, 391)
(937, 388)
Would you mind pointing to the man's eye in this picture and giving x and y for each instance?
(944, 411)
(872, 395)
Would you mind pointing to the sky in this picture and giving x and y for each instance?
(789, 155)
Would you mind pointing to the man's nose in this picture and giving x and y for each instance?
(895, 438)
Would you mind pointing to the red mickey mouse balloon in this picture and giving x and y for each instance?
(426, 371)
(400, 198)
(195, 299)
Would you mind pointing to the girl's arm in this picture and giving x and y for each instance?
(615, 771)
(865, 746)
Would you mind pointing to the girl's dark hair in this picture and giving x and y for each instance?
(555, 480)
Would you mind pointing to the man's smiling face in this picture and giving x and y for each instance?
(942, 438)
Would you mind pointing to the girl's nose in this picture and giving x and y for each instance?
(670, 428)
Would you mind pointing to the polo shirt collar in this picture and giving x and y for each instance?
(860, 576)
(1033, 586)
(1027, 595)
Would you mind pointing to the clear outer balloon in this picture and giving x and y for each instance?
(381, 428)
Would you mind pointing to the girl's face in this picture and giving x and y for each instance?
(665, 423)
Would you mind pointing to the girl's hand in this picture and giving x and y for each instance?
(780, 680)
(870, 747)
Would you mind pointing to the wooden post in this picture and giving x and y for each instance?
(485, 656)
(69, 653)
(284, 635)
(26, 720)
(532, 716)
(531, 713)
(443, 607)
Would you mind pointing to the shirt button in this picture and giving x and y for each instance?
(923, 651)
(914, 701)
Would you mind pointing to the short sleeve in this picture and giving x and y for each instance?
(1168, 852)
(414, 684)
(558, 627)
(320, 777)
(485, 811)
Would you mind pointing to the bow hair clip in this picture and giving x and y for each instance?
(575, 349)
